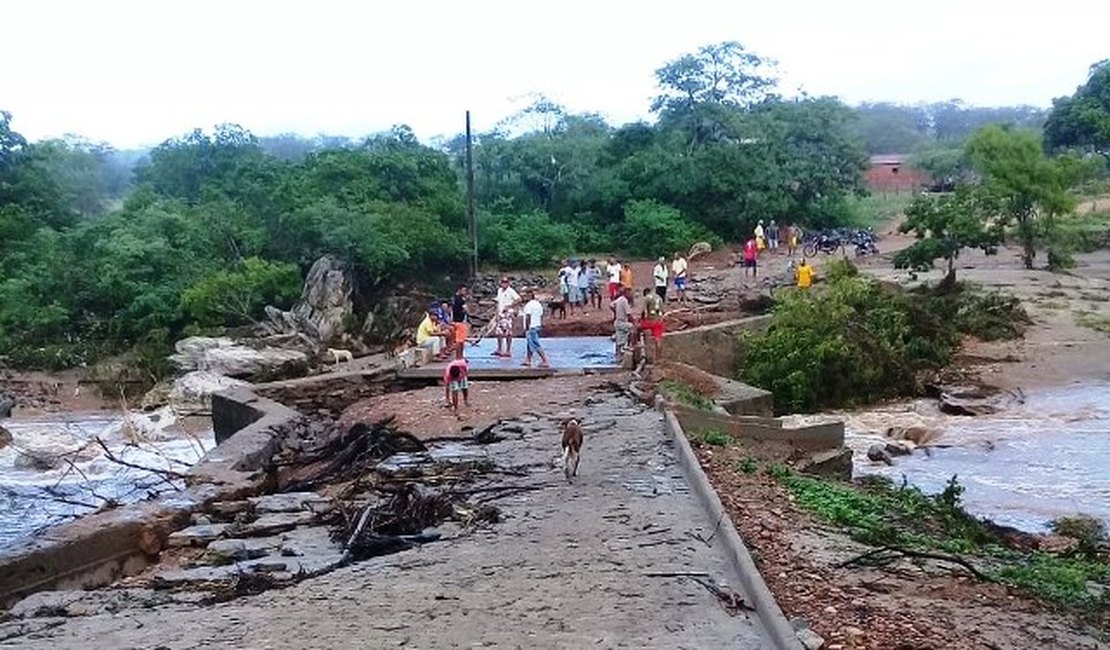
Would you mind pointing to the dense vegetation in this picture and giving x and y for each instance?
(859, 341)
(212, 226)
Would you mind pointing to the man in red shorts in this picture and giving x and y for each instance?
(651, 320)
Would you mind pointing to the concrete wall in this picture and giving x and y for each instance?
(328, 394)
(99, 548)
(818, 437)
(713, 348)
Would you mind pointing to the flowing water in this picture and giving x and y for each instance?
(55, 469)
(1045, 458)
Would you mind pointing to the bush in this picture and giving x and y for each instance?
(237, 296)
(530, 240)
(652, 229)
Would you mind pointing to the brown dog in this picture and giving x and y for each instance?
(572, 447)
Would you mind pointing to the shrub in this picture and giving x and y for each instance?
(528, 241)
(237, 296)
(652, 229)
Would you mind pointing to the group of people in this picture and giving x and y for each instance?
(767, 239)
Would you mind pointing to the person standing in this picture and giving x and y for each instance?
(507, 299)
(626, 278)
(679, 268)
(564, 282)
(584, 285)
(751, 256)
(575, 295)
(622, 326)
(533, 321)
(803, 275)
(460, 317)
(659, 275)
(760, 237)
(793, 239)
(773, 236)
(651, 320)
(593, 285)
(613, 268)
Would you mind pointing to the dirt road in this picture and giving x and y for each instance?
(566, 569)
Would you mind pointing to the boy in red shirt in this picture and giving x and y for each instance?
(751, 254)
(455, 382)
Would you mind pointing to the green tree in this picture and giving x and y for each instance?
(944, 225)
(237, 296)
(1082, 121)
(722, 73)
(1029, 187)
(651, 229)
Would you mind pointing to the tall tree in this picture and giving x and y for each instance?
(1082, 121)
(1030, 187)
(722, 73)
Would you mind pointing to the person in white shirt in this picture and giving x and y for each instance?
(507, 299)
(574, 293)
(679, 268)
(533, 320)
(564, 281)
(614, 270)
(660, 276)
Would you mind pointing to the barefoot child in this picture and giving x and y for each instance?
(455, 382)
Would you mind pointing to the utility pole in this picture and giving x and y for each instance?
(470, 198)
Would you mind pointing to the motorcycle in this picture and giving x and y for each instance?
(824, 243)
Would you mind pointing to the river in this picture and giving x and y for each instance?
(75, 477)
(1042, 459)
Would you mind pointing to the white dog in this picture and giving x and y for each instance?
(341, 355)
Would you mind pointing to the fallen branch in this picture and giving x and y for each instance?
(872, 557)
(164, 474)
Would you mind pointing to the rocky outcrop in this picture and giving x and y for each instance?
(325, 308)
(192, 392)
(230, 358)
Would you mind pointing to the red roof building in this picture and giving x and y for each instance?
(891, 173)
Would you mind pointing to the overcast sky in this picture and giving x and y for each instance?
(136, 73)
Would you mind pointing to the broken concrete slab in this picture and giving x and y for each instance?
(832, 463)
(239, 550)
(89, 603)
(199, 535)
(291, 502)
(275, 522)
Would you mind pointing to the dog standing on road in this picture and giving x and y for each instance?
(572, 447)
(341, 355)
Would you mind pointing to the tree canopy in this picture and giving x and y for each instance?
(1082, 121)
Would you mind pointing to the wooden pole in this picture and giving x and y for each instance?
(470, 212)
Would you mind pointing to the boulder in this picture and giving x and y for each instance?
(699, 249)
(899, 448)
(324, 309)
(879, 454)
(224, 356)
(7, 403)
(5, 437)
(192, 392)
(832, 463)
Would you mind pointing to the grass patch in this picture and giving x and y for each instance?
(1084, 233)
(716, 438)
(684, 394)
(879, 513)
(747, 465)
(1094, 321)
(876, 209)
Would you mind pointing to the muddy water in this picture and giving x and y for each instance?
(1047, 457)
(73, 476)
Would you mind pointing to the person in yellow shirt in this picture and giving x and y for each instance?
(429, 334)
(804, 275)
(626, 276)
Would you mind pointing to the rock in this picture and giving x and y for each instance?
(899, 448)
(197, 535)
(324, 308)
(918, 434)
(156, 397)
(192, 392)
(241, 549)
(276, 522)
(224, 356)
(833, 463)
(878, 454)
(854, 634)
(953, 405)
(5, 437)
(699, 249)
(228, 508)
(7, 403)
(291, 502)
(810, 640)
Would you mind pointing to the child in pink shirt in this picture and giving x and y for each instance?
(455, 382)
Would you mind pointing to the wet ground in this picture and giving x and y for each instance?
(563, 353)
(571, 566)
